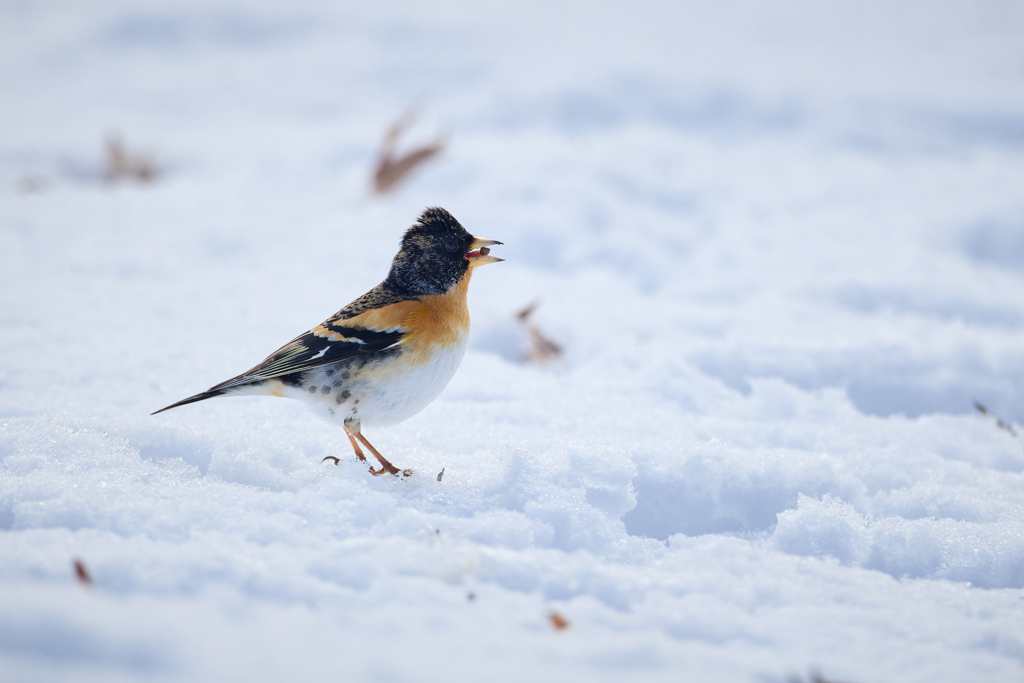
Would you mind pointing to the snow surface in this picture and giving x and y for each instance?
(783, 247)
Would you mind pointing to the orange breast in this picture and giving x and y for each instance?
(439, 322)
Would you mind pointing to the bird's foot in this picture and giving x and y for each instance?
(385, 468)
(388, 468)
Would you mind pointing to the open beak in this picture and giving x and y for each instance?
(479, 254)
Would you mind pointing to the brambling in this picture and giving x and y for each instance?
(389, 353)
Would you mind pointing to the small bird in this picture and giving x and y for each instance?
(389, 353)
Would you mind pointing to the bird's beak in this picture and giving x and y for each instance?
(479, 254)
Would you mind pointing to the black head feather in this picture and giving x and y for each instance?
(432, 258)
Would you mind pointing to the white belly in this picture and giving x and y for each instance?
(381, 393)
(405, 390)
(374, 393)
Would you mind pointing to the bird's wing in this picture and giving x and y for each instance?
(351, 332)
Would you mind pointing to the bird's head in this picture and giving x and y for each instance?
(436, 254)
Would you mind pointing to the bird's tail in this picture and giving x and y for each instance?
(193, 399)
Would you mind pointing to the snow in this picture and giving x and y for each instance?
(782, 246)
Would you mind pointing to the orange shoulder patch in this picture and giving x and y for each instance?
(384, 318)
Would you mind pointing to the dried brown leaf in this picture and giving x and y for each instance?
(542, 349)
(392, 168)
(81, 572)
(524, 315)
(1005, 426)
(121, 163)
(558, 621)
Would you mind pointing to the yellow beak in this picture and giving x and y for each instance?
(479, 254)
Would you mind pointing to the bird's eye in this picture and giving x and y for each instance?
(451, 245)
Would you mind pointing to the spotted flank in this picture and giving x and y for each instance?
(389, 353)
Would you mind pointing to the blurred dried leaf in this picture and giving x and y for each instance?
(814, 677)
(558, 621)
(542, 349)
(391, 168)
(81, 572)
(999, 423)
(31, 184)
(121, 163)
(523, 316)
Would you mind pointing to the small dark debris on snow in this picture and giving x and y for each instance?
(330, 457)
(440, 474)
(471, 596)
(813, 677)
(1006, 427)
(558, 621)
(31, 184)
(81, 572)
(121, 163)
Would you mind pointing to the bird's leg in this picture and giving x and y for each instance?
(385, 466)
(352, 434)
(355, 445)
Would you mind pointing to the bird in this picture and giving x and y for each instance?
(384, 357)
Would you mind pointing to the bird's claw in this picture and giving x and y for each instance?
(390, 469)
